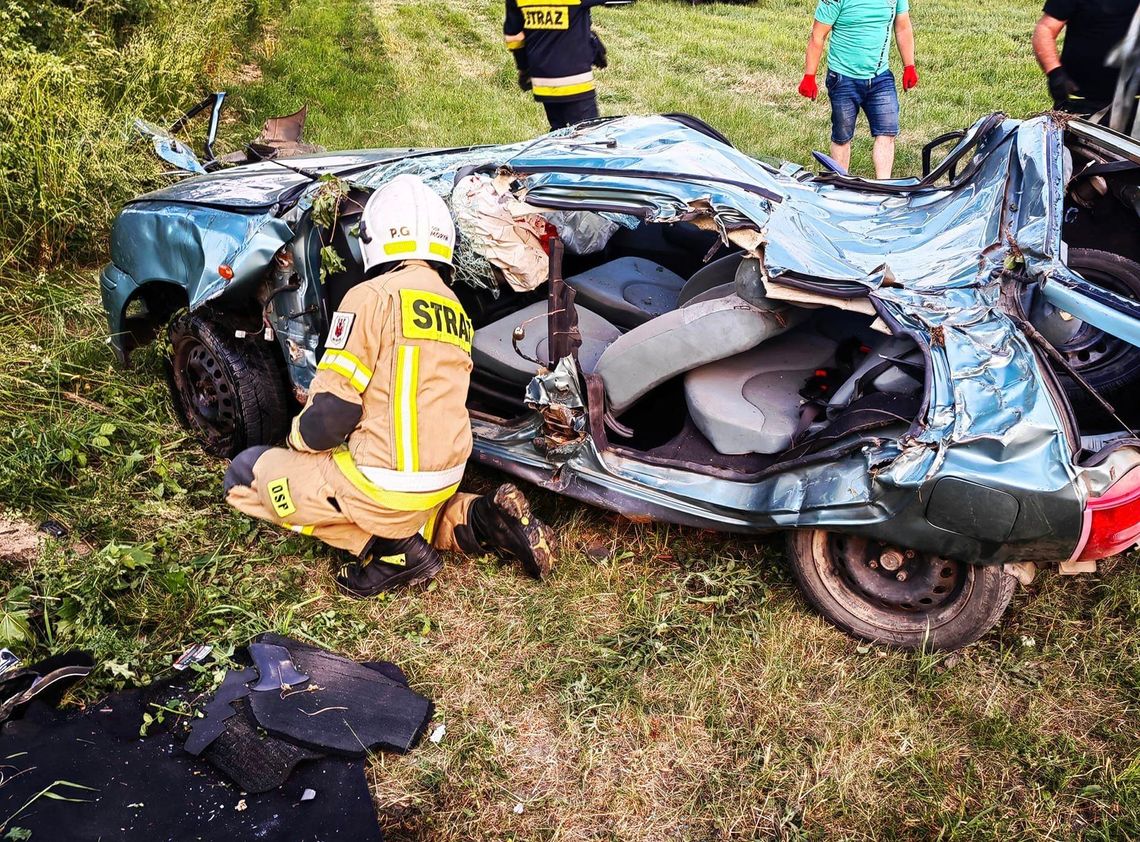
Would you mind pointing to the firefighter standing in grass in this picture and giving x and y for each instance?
(556, 53)
(376, 455)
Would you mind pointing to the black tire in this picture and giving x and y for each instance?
(1110, 365)
(230, 393)
(946, 605)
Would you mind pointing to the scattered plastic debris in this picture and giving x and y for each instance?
(437, 735)
(308, 795)
(241, 806)
(194, 655)
(518, 809)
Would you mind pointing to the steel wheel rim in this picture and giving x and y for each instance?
(206, 390)
(1091, 348)
(935, 590)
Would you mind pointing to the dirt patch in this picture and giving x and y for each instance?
(19, 539)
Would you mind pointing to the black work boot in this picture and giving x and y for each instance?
(502, 523)
(389, 563)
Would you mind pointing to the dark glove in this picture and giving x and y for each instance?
(599, 50)
(524, 80)
(1061, 85)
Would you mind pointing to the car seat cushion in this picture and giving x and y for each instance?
(750, 402)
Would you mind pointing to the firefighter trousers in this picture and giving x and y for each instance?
(309, 493)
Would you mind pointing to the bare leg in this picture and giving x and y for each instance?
(883, 155)
(841, 154)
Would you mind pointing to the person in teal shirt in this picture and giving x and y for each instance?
(858, 71)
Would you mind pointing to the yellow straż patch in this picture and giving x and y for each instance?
(425, 315)
(546, 17)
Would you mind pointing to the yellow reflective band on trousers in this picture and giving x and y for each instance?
(397, 501)
(349, 367)
(425, 315)
(301, 530)
(562, 90)
(404, 409)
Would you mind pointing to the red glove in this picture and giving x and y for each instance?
(808, 87)
(910, 77)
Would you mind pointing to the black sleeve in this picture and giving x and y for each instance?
(327, 421)
(1060, 9)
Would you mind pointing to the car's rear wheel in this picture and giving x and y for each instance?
(230, 393)
(1109, 364)
(899, 597)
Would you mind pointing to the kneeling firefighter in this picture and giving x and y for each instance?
(376, 455)
(555, 52)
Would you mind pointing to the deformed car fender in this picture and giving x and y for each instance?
(205, 252)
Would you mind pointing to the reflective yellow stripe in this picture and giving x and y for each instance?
(562, 90)
(404, 407)
(399, 247)
(399, 501)
(302, 530)
(428, 529)
(515, 42)
(295, 440)
(347, 366)
(440, 249)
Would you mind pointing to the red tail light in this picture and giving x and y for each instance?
(1112, 521)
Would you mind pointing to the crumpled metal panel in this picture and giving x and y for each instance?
(169, 148)
(185, 244)
(930, 261)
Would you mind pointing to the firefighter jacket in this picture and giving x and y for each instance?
(550, 41)
(390, 392)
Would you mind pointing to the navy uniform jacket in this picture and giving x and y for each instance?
(550, 40)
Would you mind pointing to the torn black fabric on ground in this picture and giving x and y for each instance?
(145, 790)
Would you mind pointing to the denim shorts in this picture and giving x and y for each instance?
(877, 97)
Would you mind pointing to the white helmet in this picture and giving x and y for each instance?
(405, 220)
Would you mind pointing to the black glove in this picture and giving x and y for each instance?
(1061, 85)
(599, 50)
(524, 80)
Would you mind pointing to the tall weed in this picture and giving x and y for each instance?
(71, 83)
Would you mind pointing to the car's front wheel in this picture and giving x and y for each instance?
(230, 393)
(899, 597)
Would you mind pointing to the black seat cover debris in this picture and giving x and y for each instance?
(149, 790)
(253, 760)
(346, 708)
(219, 710)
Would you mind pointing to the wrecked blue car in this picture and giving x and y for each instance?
(929, 382)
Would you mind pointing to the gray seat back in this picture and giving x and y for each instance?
(721, 271)
(702, 332)
(628, 291)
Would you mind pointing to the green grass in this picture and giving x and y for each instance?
(665, 684)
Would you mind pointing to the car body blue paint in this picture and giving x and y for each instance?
(929, 261)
